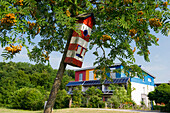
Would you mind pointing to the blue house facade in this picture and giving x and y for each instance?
(87, 78)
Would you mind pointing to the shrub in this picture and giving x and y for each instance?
(101, 104)
(156, 107)
(94, 101)
(62, 99)
(28, 98)
(114, 101)
(77, 96)
(162, 108)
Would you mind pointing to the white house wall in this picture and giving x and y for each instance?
(141, 90)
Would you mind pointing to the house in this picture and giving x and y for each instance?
(87, 78)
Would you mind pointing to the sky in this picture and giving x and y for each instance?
(159, 65)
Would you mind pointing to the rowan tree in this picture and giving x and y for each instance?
(118, 24)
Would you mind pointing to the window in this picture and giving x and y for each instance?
(149, 79)
(106, 98)
(80, 52)
(112, 74)
(80, 77)
(91, 75)
(105, 88)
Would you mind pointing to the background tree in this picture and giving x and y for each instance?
(161, 94)
(19, 81)
(119, 23)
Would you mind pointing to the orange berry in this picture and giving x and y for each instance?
(19, 49)
(134, 49)
(46, 52)
(105, 37)
(28, 22)
(148, 52)
(43, 55)
(20, 46)
(165, 4)
(132, 32)
(77, 12)
(68, 13)
(157, 39)
(156, 5)
(140, 13)
(47, 58)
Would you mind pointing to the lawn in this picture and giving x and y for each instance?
(68, 110)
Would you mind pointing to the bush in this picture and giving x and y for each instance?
(101, 104)
(62, 99)
(77, 96)
(156, 107)
(28, 98)
(162, 108)
(94, 101)
(114, 101)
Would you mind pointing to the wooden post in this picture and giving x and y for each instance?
(70, 102)
(105, 105)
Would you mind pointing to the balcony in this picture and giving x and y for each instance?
(109, 92)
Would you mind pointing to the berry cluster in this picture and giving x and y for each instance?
(8, 20)
(31, 25)
(19, 2)
(140, 13)
(127, 1)
(46, 56)
(155, 22)
(14, 49)
(132, 32)
(141, 21)
(105, 38)
(52, 2)
(165, 4)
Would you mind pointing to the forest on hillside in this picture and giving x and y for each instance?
(27, 86)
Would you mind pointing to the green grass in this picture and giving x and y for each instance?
(5, 110)
(67, 110)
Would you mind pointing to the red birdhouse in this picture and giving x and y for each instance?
(78, 43)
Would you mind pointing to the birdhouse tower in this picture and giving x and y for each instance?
(79, 41)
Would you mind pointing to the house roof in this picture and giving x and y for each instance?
(77, 83)
(148, 73)
(122, 80)
(92, 82)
